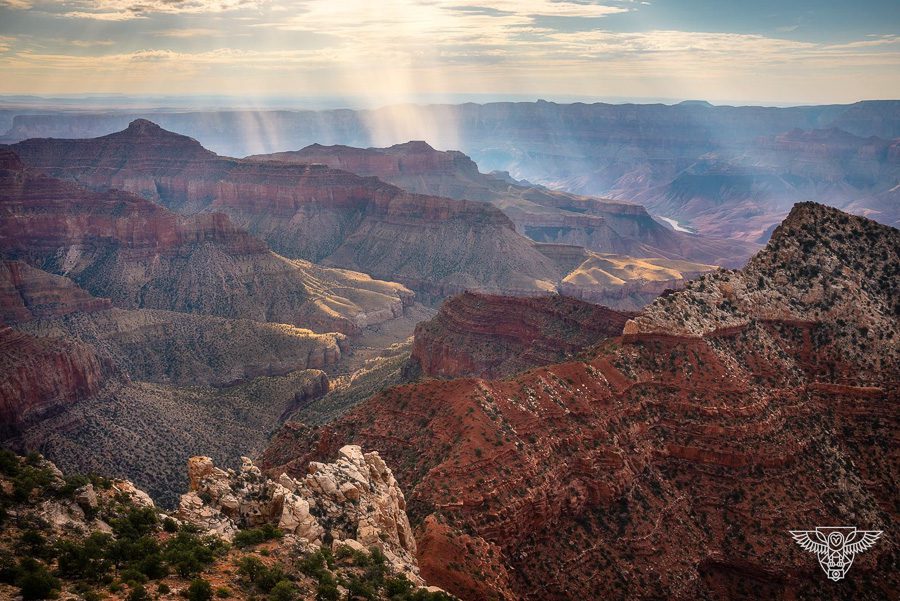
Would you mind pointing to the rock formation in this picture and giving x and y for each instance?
(544, 215)
(69, 535)
(637, 153)
(354, 501)
(672, 461)
(140, 255)
(27, 293)
(103, 388)
(495, 336)
(437, 245)
(42, 375)
(617, 281)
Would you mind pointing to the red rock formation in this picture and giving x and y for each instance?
(673, 461)
(610, 226)
(141, 255)
(41, 375)
(27, 293)
(496, 336)
(310, 212)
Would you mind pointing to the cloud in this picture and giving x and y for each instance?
(193, 32)
(126, 10)
(90, 43)
(17, 4)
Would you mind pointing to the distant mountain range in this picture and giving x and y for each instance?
(717, 170)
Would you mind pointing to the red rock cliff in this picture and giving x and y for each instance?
(495, 336)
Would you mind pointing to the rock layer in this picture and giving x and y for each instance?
(495, 336)
(438, 245)
(544, 215)
(140, 255)
(41, 376)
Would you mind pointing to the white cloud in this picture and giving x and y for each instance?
(193, 32)
(17, 4)
(126, 10)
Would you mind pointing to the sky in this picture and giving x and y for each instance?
(723, 51)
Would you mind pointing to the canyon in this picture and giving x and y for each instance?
(130, 332)
(671, 460)
(542, 214)
(700, 159)
(436, 246)
(576, 399)
(120, 246)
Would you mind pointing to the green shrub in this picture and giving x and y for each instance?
(163, 589)
(9, 463)
(359, 588)
(139, 522)
(34, 543)
(73, 483)
(255, 536)
(170, 525)
(132, 577)
(327, 589)
(35, 581)
(284, 590)
(138, 593)
(199, 590)
(91, 595)
(398, 587)
(314, 564)
(29, 478)
(222, 592)
(88, 559)
(188, 553)
(269, 578)
(249, 568)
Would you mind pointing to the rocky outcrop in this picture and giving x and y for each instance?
(86, 529)
(187, 350)
(632, 152)
(311, 212)
(495, 336)
(671, 462)
(353, 502)
(140, 255)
